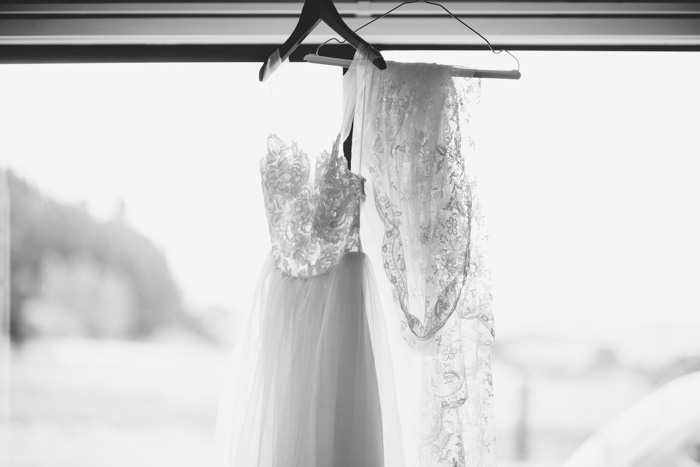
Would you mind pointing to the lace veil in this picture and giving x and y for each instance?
(410, 140)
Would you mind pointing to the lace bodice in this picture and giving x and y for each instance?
(313, 216)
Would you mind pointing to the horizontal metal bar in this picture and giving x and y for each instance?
(359, 8)
(394, 30)
(128, 53)
(249, 30)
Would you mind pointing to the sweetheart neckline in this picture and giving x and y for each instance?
(296, 150)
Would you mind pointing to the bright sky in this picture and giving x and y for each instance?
(588, 169)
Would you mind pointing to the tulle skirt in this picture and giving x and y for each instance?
(313, 383)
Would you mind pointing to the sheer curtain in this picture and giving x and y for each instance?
(423, 224)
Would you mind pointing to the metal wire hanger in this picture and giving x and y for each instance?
(457, 71)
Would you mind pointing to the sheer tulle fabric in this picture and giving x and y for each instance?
(313, 385)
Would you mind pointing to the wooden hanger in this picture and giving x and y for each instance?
(456, 71)
(312, 13)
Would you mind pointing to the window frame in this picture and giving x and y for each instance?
(35, 32)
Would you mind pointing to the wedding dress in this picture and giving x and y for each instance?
(319, 390)
(314, 385)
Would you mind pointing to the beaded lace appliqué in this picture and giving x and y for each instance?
(312, 223)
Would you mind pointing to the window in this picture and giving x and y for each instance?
(587, 174)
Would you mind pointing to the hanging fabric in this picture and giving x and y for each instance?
(311, 384)
(411, 143)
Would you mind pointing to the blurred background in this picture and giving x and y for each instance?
(137, 232)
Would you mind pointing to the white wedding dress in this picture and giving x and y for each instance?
(313, 386)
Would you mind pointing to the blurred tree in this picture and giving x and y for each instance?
(44, 230)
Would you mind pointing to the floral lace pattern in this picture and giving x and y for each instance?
(312, 223)
(414, 118)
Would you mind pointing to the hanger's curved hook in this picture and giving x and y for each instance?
(495, 51)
